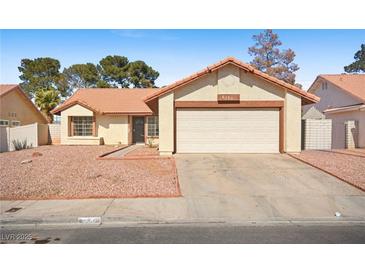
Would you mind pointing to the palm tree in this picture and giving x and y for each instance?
(47, 100)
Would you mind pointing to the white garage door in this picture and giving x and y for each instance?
(227, 130)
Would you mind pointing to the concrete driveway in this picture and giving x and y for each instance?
(262, 187)
(217, 188)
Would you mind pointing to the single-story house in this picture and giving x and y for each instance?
(16, 109)
(228, 107)
(342, 100)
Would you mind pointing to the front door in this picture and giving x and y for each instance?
(138, 129)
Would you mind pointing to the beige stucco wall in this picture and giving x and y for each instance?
(232, 80)
(229, 79)
(341, 118)
(13, 102)
(75, 110)
(331, 97)
(110, 129)
(42, 134)
(166, 123)
(113, 129)
(292, 118)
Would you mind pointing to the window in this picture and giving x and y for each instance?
(15, 123)
(152, 122)
(4, 122)
(324, 85)
(82, 125)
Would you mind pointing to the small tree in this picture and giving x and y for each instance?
(140, 75)
(117, 71)
(81, 76)
(40, 73)
(270, 59)
(113, 70)
(359, 64)
(47, 100)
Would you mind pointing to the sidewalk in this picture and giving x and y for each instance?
(110, 210)
(124, 212)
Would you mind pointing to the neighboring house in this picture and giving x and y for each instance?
(228, 107)
(342, 99)
(16, 109)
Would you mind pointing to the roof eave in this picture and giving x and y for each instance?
(127, 113)
(231, 60)
(65, 106)
(339, 87)
(345, 109)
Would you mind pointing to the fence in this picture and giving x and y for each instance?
(317, 134)
(34, 134)
(54, 134)
(352, 134)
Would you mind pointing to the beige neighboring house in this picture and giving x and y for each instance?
(16, 109)
(343, 101)
(228, 107)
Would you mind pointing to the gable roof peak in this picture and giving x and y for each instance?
(309, 98)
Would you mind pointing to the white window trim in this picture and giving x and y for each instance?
(15, 121)
(3, 120)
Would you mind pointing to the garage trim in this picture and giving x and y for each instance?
(242, 104)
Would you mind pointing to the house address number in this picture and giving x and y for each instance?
(228, 97)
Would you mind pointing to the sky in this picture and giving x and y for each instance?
(176, 53)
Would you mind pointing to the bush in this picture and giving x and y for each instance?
(150, 143)
(19, 145)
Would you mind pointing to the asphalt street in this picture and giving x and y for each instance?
(190, 234)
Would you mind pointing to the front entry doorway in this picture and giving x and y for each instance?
(138, 130)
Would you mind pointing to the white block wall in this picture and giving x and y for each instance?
(54, 133)
(317, 134)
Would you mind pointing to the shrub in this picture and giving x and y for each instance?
(19, 145)
(150, 142)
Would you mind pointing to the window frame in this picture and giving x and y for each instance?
(78, 127)
(16, 122)
(154, 125)
(4, 120)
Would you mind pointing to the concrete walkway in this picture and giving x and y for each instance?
(122, 152)
(216, 189)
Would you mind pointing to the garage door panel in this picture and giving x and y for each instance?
(227, 130)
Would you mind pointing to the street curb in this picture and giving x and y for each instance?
(120, 222)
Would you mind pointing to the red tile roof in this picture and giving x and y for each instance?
(353, 84)
(6, 88)
(110, 100)
(308, 97)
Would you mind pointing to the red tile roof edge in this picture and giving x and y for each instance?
(323, 76)
(231, 60)
(66, 105)
(69, 103)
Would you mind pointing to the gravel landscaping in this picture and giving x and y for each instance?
(356, 151)
(346, 166)
(73, 172)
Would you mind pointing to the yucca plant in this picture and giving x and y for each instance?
(19, 145)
